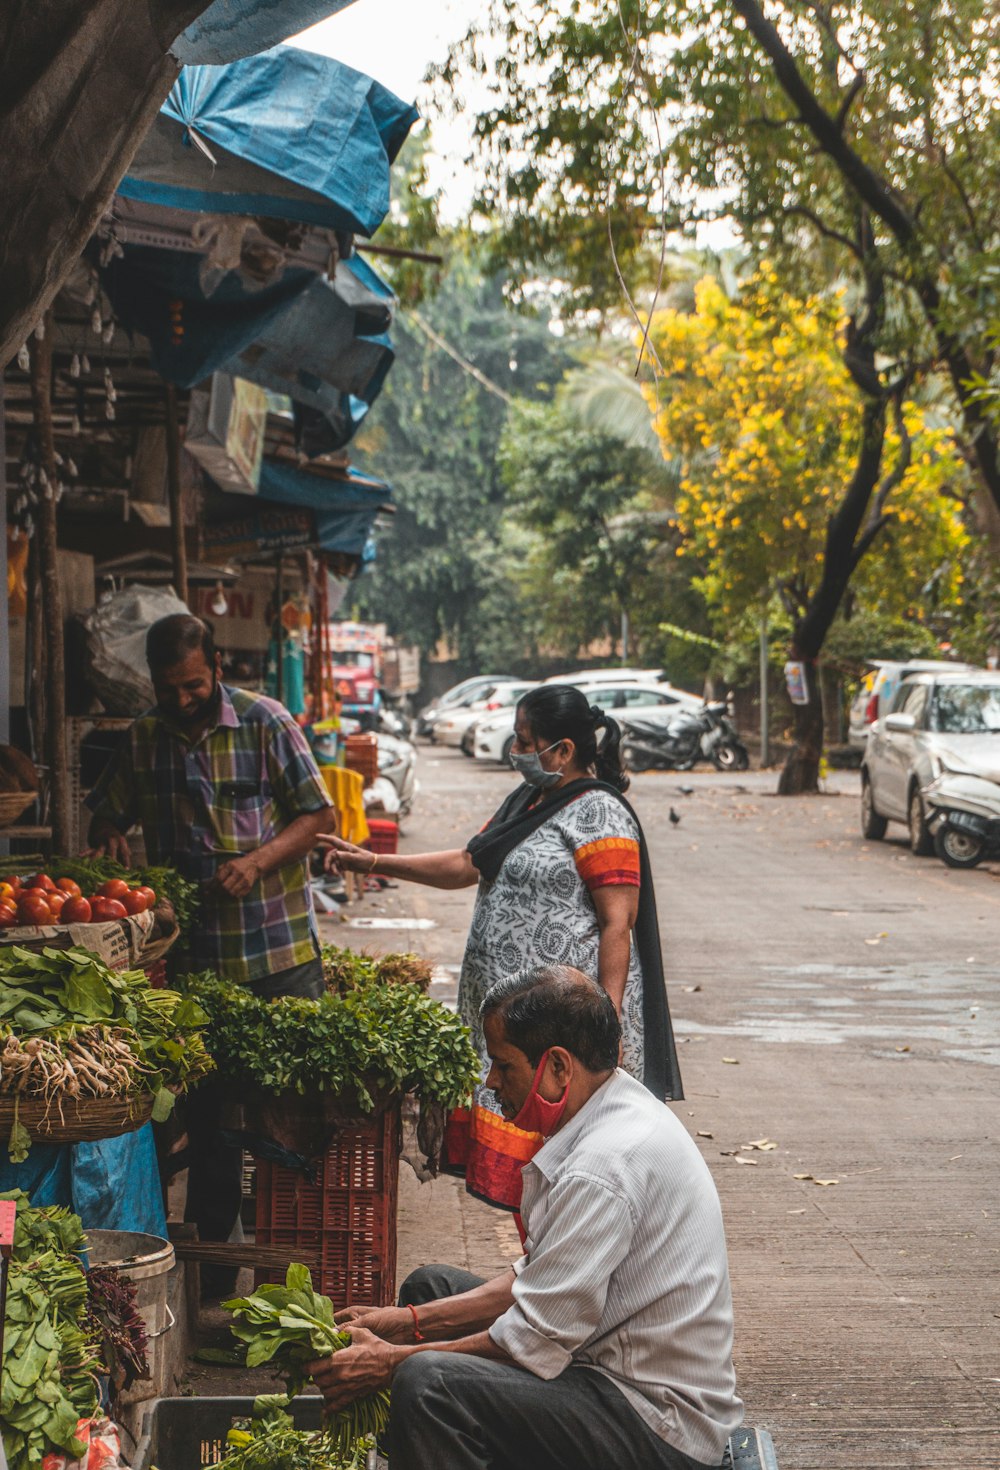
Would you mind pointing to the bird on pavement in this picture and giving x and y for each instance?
(674, 817)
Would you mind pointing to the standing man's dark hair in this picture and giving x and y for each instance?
(170, 640)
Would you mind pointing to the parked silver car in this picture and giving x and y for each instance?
(935, 722)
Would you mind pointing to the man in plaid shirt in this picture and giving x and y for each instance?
(224, 786)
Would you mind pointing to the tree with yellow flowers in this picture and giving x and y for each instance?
(807, 466)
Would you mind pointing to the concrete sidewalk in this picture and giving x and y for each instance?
(839, 1000)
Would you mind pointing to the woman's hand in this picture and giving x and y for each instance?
(343, 857)
(391, 1324)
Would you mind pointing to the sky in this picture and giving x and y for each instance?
(395, 41)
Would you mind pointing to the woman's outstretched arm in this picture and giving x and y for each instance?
(450, 869)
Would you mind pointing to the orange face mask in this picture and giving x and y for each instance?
(536, 1114)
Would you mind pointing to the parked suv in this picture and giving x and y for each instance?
(934, 721)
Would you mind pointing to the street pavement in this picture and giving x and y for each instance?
(836, 1005)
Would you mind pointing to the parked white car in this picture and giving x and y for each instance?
(936, 722)
(879, 686)
(494, 734)
(457, 696)
(455, 726)
(607, 676)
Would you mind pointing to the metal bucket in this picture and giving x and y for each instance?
(145, 1260)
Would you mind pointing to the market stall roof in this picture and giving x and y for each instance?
(286, 134)
(339, 489)
(229, 29)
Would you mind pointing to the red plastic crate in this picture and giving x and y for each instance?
(361, 754)
(382, 836)
(346, 1220)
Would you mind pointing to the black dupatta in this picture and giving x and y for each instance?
(520, 815)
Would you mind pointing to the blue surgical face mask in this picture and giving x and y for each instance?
(530, 767)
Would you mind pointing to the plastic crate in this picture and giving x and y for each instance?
(185, 1434)
(361, 754)
(346, 1220)
(382, 836)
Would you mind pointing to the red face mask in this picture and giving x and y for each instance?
(536, 1114)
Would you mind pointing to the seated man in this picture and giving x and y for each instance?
(609, 1343)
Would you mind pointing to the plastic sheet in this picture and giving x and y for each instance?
(113, 1184)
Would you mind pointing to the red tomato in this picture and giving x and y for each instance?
(56, 901)
(15, 882)
(42, 880)
(76, 911)
(150, 895)
(32, 909)
(104, 909)
(8, 915)
(68, 886)
(135, 901)
(113, 888)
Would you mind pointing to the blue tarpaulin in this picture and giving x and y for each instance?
(113, 1184)
(287, 134)
(330, 350)
(159, 293)
(229, 29)
(291, 486)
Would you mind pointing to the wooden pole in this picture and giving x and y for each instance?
(279, 598)
(178, 545)
(52, 610)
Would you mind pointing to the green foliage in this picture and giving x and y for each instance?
(374, 1039)
(435, 436)
(290, 1327)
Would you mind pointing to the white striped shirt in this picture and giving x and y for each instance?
(625, 1268)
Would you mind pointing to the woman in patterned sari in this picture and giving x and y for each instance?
(564, 879)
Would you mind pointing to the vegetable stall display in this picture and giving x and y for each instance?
(89, 881)
(76, 1034)
(363, 1042)
(268, 1440)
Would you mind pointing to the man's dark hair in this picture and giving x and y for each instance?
(555, 1005)
(171, 640)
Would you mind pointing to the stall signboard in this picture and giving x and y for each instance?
(225, 434)
(279, 528)
(244, 625)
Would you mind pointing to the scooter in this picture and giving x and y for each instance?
(692, 735)
(964, 818)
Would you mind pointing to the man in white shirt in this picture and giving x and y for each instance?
(610, 1341)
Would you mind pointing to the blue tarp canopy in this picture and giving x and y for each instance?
(289, 485)
(229, 29)
(286, 134)
(329, 349)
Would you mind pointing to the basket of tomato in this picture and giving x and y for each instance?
(41, 908)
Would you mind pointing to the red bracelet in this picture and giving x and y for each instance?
(418, 1336)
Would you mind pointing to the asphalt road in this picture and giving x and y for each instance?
(836, 1003)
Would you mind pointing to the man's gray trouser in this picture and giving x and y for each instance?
(450, 1411)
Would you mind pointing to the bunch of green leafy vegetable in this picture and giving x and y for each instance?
(50, 1360)
(268, 1440)
(346, 969)
(375, 1039)
(63, 1010)
(291, 1325)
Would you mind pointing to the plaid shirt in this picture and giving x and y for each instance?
(199, 805)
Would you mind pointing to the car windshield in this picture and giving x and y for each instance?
(966, 709)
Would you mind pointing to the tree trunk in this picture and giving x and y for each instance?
(800, 773)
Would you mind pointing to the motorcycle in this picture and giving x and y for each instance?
(964, 817)
(692, 735)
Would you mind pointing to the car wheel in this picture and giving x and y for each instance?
(508, 746)
(958, 849)
(872, 825)
(921, 840)
(467, 746)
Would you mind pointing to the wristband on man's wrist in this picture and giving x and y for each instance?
(418, 1336)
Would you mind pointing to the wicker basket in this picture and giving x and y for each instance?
(13, 803)
(82, 1119)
